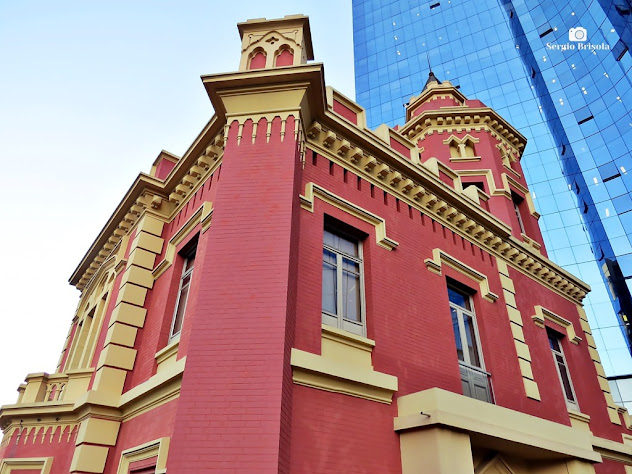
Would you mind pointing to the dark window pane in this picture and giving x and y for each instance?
(457, 335)
(566, 383)
(471, 340)
(182, 303)
(459, 298)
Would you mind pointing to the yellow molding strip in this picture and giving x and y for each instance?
(440, 257)
(438, 200)
(542, 314)
(315, 371)
(499, 424)
(202, 215)
(158, 447)
(10, 465)
(313, 190)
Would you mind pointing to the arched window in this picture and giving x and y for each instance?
(258, 59)
(284, 56)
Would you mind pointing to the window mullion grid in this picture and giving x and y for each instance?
(464, 346)
(185, 273)
(339, 296)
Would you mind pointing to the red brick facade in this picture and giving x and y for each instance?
(255, 381)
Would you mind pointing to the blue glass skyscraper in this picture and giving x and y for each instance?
(569, 94)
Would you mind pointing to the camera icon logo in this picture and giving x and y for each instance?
(577, 34)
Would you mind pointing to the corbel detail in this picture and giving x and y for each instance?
(416, 184)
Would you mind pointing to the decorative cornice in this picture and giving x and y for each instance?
(149, 194)
(464, 119)
(421, 188)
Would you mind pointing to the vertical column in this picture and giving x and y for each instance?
(96, 435)
(436, 450)
(118, 355)
(594, 355)
(232, 413)
(515, 319)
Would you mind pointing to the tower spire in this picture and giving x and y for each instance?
(431, 77)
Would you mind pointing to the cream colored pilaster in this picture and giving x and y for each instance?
(118, 355)
(515, 320)
(436, 450)
(601, 375)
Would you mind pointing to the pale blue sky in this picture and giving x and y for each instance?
(90, 92)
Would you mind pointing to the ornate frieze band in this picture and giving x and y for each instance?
(410, 183)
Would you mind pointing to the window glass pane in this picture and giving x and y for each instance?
(182, 303)
(566, 383)
(457, 334)
(554, 343)
(340, 243)
(459, 298)
(329, 282)
(350, 266)
(348, 247)
(471, 340)
(330, 239)
(351, 295)
(189, 263)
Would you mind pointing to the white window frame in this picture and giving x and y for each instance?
(572, 404)
(473, 375)
(516, 206)
(337, 320)
(185, 273)
(460, 310)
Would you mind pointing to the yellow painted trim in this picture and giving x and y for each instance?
(158, 447)
(542, 314)
(319, 372)
(167, 355)
(89, 458)
(498, 424)
(508, 181)
(312, 191)
(332, 94)
(579, 420)
(440, 257)
(442, 203)
(345, 337)
(202, 215)
(10, 465)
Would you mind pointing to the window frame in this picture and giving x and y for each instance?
(342, 322)
(517, 201)
(461, 323)
(474, 375)
(186, 272)
(570, 404)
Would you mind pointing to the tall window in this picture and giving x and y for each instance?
(183, 293)
(474, 379)
(517, 200)
(562, 369)
(342, 283)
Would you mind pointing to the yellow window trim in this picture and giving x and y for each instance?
(158, 447)
(203, 215)
(440, 257)
(542, 314)
(313, 191)
(10, 465)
